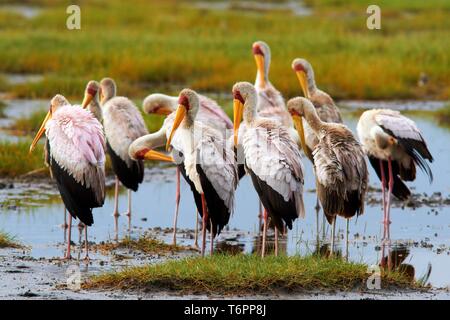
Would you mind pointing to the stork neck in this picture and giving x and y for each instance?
(250, 109)
(312, 118)
(94, 107)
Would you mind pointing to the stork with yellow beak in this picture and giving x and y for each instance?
(209, 165)
(326, 109)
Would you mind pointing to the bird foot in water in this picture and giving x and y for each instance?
(66, 258)
(64, 226)
(386, 222)
(127, 214)
(87, 259)
(116, 214)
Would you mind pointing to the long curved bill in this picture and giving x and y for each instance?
(179, 116)
(158, 156)
(259, 59)
(40, 132)
(303, 83)
(86, 100)
(238, 110)
(298, 123)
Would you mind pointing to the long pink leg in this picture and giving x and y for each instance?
(116, 227)
(211, 249)
(383, 190)
(276, 242)
(177, 205)
(128, 214)
(116, 198)
(205, 219)
(388, 213)
(68, 256)
(263, 249)
(196, 230)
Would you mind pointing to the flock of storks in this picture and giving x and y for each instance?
(212, 153)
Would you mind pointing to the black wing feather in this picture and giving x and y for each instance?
(129, 177)
(399, 189)
(279, 210)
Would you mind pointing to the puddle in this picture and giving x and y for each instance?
(28, 12)
(297, 8)
(18, 108)
(425, 230)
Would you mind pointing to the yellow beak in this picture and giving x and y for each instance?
(298, 123)
(303, 83)
(40, 132)
(179, 116)
(87, 99)
(259, 59)
(155, 155)
(238, 110)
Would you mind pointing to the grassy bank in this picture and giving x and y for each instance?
(244, 274)
(7, 241)
(208, 50)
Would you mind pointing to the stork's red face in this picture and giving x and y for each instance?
(301, 72)
(183, 108)
(91, 90)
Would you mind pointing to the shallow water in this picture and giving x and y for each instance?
(296, 7)
(425, 230)
(28, 12)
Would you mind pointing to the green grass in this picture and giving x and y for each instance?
(443, 116)
(7, 241)
(15, 159)
(143, 244)
(30, 124)
(244, 274)
(208, 50)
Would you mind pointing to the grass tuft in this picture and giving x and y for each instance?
(15, 160)
(244, 274)
(144, 244)
(7, 241)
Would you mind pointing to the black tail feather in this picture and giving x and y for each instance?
(129, 177)
(399, 190)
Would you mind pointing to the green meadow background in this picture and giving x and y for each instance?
(157, 45)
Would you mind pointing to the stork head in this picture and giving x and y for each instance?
(92, 91)
(305, 75)
(108, 89)
(158, 103)
(244, 105)
(261, 52)
(188, 105)
(142, 149)
(57, 102)
(298, 108)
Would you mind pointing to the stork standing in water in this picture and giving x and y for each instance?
(209, 113)
(339, 164)
(270, 102)
(209, 165)
(123, 123)
(326, 110)
(272, 159)
(75, 145)
(395, 146)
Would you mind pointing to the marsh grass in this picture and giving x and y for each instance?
(443, 116)
(7, 241)
(209, 50)
(15, 160)
(244, 274)
(143, 244)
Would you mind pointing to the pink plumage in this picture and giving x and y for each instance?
(77, 144)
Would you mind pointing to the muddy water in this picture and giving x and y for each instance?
(425, 230)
